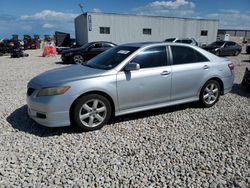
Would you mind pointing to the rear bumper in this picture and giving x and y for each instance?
(228, 84)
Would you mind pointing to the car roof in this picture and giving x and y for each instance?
(101, 42)
(145, 44)
(141, 44)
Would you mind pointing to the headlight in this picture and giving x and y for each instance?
(53, 91)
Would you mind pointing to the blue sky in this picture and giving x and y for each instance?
(46, 16)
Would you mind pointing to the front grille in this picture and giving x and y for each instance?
(30, 91)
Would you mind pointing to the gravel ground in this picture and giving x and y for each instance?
(183, 146)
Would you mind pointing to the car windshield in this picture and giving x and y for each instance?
(217, 43)
(170, 40)
(111, 58)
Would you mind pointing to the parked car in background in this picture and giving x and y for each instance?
(6, 46)
(221, 48)
(191, 41)
(86, 52)
(248, 47)
(128, 79)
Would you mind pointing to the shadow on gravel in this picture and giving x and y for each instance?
(20, 120)
(238, 89)
(149, 113)
(63, 63)
(246, 61)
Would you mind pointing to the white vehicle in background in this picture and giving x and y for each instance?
(191, 41)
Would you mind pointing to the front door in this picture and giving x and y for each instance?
(147, 86)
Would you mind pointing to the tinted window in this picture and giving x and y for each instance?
(152, 57)
(96, 45)
(184, 55)
(111, 58)
(178, 41)
(170, 40)
(230, 43)
(186, 41)
(218, 43)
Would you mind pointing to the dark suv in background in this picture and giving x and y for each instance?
(224, 48)
(86, 52)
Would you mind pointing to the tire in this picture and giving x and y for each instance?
(78, 59)
(210, 93)
(91, 112)
(236, 53)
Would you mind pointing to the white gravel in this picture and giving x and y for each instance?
(183, 146)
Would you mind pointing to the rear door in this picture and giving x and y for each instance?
(189, 68)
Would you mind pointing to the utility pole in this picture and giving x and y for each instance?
(81, 6)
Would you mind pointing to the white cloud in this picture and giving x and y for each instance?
(48, 25)
(96, 10)
(49, 15)
(26, 27)
(231, 19)
(167, 8)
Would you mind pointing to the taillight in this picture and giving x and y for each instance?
(231, 66)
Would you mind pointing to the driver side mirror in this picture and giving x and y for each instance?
(132, 66)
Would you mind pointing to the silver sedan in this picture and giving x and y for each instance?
(128, 79)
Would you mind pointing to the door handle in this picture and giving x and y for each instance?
(206, 67)
(165, 73)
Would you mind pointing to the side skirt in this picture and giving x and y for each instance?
(155, 106)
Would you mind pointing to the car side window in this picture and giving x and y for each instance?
(96, 45)
(186, 41)
(178, 41)
(152, 57)
(185, 55)
(230, 43)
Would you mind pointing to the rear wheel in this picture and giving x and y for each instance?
(210, 93)
(91, 112)
(78, 59)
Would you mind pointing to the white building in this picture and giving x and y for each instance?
(122, 28)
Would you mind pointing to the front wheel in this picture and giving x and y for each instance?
(236, 53)
(91, 112)
(78, 59)
(210, 93)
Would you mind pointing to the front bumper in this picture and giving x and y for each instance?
(49, 111)
(66, 58)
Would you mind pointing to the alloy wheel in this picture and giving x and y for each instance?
(78, 59)
(211, 93)
(92, 113)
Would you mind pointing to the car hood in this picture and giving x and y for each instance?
(64, 75)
